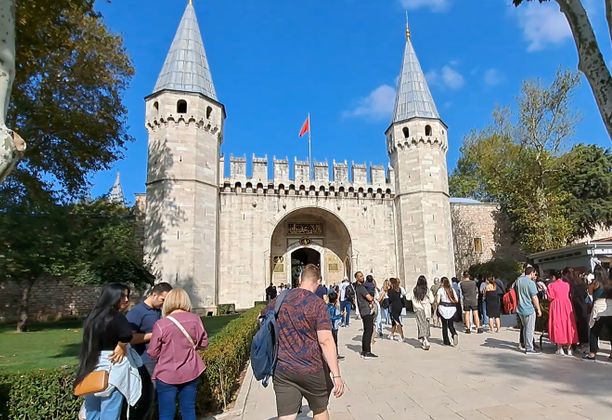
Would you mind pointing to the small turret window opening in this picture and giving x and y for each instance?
(208, 112)
(156, 107)
(181, 106)
(428, 130)
(406, 132)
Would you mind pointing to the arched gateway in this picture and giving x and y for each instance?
(310, 235)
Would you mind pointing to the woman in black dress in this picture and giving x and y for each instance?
(396, 304)
(493, 302)
(578, 295)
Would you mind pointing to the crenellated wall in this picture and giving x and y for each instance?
(356, 180)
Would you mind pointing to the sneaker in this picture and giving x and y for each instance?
(479, 331)
(425, 344)
(369, 355)
(588, 357)
(570, 353)
(532, 352)
(380, 335)
(455, 340)
(560, 352)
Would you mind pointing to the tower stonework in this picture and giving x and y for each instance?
(416, 145)
(184, 121)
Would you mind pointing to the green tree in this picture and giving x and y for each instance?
(66, 102)
(89, 243)
(514, 164)
(586, 173)
(590, 59)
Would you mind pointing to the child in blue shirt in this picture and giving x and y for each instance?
(335, 317)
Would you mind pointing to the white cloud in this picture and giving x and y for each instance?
(446, 77)
(433, 5)
(377, 105)
(542, 24)
(493, 77)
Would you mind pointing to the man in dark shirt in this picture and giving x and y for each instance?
(306, 351)
(142, 317)
(270, 292)
(364, 306)
(469, 292)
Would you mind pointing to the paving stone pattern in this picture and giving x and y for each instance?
(485, 377)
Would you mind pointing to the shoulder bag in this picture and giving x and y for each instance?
(96, 381)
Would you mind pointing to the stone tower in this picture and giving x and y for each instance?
(185, 121)
(417, 145)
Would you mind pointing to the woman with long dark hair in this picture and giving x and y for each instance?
(492, 303)
(447, 307)
(396, 304)
(422, 299)
(106, 334)
(579, 296)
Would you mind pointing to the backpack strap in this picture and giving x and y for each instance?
(279, 302)
(185, 333)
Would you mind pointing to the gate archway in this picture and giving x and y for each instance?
(300, 236)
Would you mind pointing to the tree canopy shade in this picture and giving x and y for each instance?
(89, 243)
(549, 197)
(66, 101)
(590, 59)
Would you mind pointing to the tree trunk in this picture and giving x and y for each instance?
(22, 324)
(590, 59)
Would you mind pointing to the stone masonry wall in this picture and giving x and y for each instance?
(51, 300)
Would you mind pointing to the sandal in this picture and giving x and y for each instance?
(588, 357)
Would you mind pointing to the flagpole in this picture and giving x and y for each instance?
(310, 163)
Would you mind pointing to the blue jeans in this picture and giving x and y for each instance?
(385, 315)
(103, 408)
(166, 397)
(528, 322)
(345, 305)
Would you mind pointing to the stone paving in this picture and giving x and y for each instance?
(485, 377)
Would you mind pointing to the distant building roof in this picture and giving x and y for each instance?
(116, 193)
(186, 67)
(460, 200)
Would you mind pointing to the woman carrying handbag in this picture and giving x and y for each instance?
(108, 370)
(174, 343)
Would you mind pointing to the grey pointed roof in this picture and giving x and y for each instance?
(186, 67)
(116, 193)
(413, 98)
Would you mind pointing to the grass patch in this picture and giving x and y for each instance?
(54, 344)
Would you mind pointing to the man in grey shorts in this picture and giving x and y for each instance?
(469, 292)
(307, 365)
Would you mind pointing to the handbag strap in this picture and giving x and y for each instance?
(185, 333)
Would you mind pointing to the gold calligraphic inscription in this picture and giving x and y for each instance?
(306, 229)
(305, 241)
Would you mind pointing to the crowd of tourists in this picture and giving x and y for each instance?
(137, 363)
(309, 320)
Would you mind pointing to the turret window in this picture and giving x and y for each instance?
(181, 106)
(208, 112)
(428, 130)
(406, 132)
(156, 107)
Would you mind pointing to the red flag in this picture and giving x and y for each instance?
(305, 127)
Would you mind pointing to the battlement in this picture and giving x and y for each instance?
(356, 179)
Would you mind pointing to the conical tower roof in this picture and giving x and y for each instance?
(186, 67)
(413, 98)
(116, 193)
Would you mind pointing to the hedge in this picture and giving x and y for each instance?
(47, 394)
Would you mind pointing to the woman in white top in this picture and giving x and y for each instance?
(422, 299)
(447, 306)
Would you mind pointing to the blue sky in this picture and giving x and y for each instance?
(274, 61)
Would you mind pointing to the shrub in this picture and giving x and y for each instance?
(225, 359)
(47, 394)
(507, 270)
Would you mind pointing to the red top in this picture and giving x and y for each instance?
(177, 361)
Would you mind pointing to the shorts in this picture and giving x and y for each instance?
(291, 387)
(396, 319)
(470, 306)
